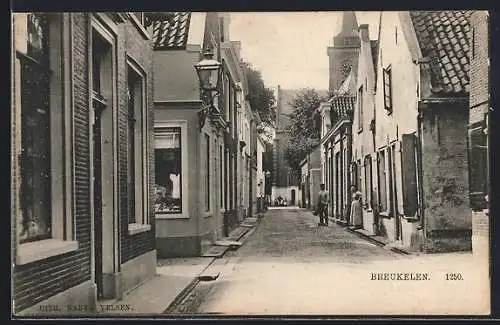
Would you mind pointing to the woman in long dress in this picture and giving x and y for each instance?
(356, 216)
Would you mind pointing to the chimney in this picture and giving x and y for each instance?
(225, 19)
(363, 33)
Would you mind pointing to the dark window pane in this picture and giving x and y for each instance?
(168, 164)
(35, 156)
(38, 37)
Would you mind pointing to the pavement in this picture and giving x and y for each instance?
(285, 264)
(174, 278)
(292, 266)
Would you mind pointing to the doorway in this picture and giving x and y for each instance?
(292, 201)
(97, 182)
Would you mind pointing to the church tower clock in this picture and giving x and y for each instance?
(343, 55)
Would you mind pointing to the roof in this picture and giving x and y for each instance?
(172, 34)
(443, 36)
(343, 105)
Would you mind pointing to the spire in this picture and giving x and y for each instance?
(349, 23)
(348, 36)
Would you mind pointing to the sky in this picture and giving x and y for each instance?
(290, 48)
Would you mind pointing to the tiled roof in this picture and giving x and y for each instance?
(443, 36)
(343, 105)
(172, 34)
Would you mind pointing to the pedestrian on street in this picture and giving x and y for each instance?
(356, 212)
(322, 206)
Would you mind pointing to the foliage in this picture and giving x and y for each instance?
(303, 127)
(261, 98)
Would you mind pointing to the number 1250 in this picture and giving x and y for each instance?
(453, 276)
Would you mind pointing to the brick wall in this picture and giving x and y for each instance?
(479, 104)
(40, 280)
(133, 44)
(479, 56)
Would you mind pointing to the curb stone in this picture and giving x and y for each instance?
(379, 243)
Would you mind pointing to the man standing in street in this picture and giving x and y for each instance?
(322, 206)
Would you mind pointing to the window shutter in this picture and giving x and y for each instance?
(409, 169)
(478, 177)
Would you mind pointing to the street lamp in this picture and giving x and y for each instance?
(209, 76)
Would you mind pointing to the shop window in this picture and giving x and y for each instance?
(42, 139)
(168, 172)
(36, 148)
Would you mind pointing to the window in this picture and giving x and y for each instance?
(382, 191)
(393, 198)
(168, 171)
(42, 139)
(360, 108)
(36, 133)
(221, 168)
(478, 157)
(387, 76)
(207, 172)
(136, 166)
(359, 174)
(368, 182)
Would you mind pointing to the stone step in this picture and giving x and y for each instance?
(215, 251)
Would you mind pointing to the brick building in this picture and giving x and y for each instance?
(478, 131)
(82, 223)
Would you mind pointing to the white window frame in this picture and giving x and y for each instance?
(183, 125)
(63, 237)
(142, 220)
(139, 24)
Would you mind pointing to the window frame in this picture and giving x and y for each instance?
(62, 233)
(368, 173)
(360, 108)
(383, 179)
(141, 185)
(207, 174)
(139, 23)
(388, 93)
(183, 125)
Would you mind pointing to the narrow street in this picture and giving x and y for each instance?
(288, 265)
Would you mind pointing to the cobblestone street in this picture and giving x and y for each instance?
(291, 266)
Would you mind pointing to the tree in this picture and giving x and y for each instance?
(303, 126)
(261, 98)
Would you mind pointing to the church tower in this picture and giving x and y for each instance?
(343, 55)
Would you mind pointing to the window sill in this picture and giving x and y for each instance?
(137, 228)
(42, 249)
(171, 216)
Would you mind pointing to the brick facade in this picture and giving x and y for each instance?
(478, 126)
(68, 276)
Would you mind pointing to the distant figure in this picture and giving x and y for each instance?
(322, 206)
(356, 212)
